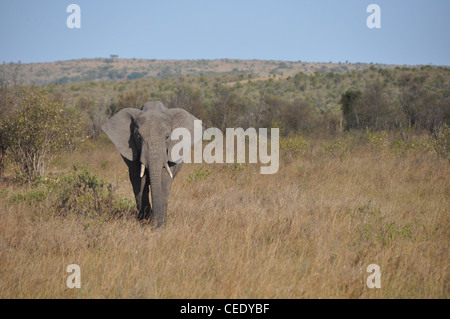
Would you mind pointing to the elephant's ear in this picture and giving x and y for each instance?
(184, 119)
(119, 129)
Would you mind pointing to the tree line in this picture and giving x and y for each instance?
(37, 122)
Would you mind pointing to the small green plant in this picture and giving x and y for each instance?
(374, 228)
(293, 147)
(198, 175)
(237, 168)
(401, 148)
(337, 147)
(390, 231)
(32, 196)
(377, 139)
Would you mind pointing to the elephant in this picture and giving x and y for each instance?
(143, 138)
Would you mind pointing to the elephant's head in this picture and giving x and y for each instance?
(143, 136)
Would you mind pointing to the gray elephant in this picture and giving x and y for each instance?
(143, 139)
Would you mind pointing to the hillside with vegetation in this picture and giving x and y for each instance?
(377, 99)
(112, 69)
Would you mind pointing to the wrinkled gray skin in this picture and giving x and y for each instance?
(143, 136)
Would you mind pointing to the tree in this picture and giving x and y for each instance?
(96, 112)
(226, 107)
(373, 107)
(296, 116)
(413, 97)
(133, 99)
(190, 99)
(348, 104)
(423, 107)
(4, 110)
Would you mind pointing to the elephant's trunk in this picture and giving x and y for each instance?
(156, 191)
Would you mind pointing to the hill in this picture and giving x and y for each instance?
(110, 69)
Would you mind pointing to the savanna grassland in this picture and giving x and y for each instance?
(309, 231)
(363, 179)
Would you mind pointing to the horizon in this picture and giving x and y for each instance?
(411, 32)
(224, 59)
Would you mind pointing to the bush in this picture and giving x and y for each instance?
(36, 127)
(440, 141)
(374, 228)
(338, 147)
(377, 139)
(293, 147)
(81, 192)
(401, 148)
(77, 192)
(136, 75)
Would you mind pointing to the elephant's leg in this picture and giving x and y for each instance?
(145, 211)
(140, 188)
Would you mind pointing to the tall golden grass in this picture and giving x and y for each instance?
(309, 231)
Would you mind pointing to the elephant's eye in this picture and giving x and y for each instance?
(167, 136)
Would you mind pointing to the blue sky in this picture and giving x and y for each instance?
(412, 31)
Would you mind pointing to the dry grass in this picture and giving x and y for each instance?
(309, 231)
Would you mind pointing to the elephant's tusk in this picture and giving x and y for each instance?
(168, 170)
(142, 170)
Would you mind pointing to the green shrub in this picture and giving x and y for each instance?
(338, 147)
(32, 196)
(401, 148)
(77, 192)
(83, 193)
(440, 141)
(377, 139)
(35, 129)
(373, 227)
(293, 147)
